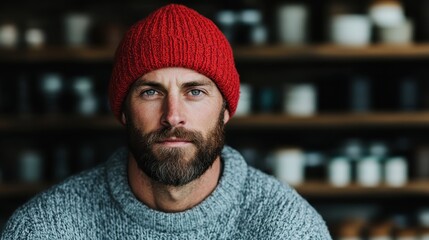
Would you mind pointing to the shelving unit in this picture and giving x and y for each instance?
(313, 52)
(340, 120)
(44, 123)
(63, 54)
(20, 190)
(326, 131)
(325, 190)
(271, 65)
(330, 51)
(254, 121)
(261, 121)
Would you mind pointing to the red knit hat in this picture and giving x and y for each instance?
(174, 36)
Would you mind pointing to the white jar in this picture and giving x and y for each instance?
(402, 33)
(292, 23)
(87, 104)
(339, 171)
(30, 166)
(369, 171)
(259, 35)
(386, 13)
(244, 106)
(396, 171)
(351, 29)
(288, 165)
(77, 26)
(300, 99)
(34, 37)
(51, 83)
(9, 35)
(52, 88)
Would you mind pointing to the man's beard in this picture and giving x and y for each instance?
(168, 165)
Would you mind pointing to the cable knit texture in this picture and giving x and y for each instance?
(174, 36)
(99, 204)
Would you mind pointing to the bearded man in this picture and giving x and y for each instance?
(174, 86)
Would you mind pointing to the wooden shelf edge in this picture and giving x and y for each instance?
(58, 54)
(271, 52)
(331, 51)
(13, 190)
(336, 120)
(58, 122)
(324, 189)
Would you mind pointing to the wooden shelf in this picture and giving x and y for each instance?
(340, 120)
(267, 52)
(84, 54)
(43, 123)
(329, 51)
(323, 189)
(9, 190)
(262, 121)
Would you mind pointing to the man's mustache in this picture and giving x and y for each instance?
(164, 134)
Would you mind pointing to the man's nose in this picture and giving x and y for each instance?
(173, 112)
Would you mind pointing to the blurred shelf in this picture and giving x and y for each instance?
(254, 121)
(58, 122)
(323, 189)
(83, 54)
(266, 52)
(330, 51)
(14, 190)
(337, 120)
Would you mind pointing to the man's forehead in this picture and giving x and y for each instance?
(179, 75)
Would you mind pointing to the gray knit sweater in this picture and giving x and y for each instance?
(99, 204)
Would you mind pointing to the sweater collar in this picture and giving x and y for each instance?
(226, 195)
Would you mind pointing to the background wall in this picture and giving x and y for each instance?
(334, 100)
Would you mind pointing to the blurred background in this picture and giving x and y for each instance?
(334, 100)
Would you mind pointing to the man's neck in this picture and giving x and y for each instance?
(169, 198)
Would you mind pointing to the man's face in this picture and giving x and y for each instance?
(175, 120)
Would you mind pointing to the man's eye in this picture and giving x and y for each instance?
(195, 92)
(149, 92)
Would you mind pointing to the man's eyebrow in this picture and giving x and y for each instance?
(141, 83)
(202, 82)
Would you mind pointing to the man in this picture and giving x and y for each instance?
(174, 86)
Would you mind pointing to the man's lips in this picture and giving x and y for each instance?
(173, 141)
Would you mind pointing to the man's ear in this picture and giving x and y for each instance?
(124, 118)
(226, 116)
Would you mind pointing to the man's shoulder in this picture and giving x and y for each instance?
(255, 185)
(60, 202)
(261, 184)
(266, 193)
(278, 209)
(75, 187)
(78, 206)
(86, 182)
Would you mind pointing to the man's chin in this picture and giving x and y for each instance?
(180, 151)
